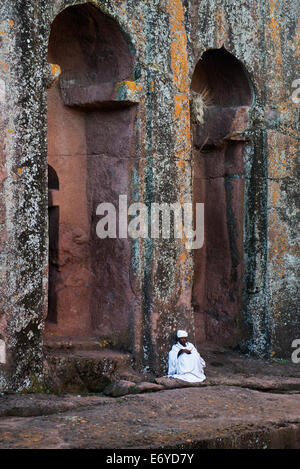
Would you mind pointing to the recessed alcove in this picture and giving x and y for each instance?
(53, 224)
(223, 77)
(223, 92)
(90, 134)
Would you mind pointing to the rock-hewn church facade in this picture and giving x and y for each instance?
(161, 101)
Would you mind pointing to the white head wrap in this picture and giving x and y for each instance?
(181, 334)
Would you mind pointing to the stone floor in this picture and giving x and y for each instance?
(244, 403)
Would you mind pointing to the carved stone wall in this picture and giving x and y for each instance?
(127, 128)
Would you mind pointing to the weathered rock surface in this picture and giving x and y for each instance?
(120, 388)
(83, 371)
(243, 403)
(148, 387)
(30, 405)
(206, 417)
(123, 387)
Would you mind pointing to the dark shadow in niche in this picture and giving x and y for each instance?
(224, 78)
(221, 94)
(53, 224)
(53, 182)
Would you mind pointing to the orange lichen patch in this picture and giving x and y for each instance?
(179, 65)
(282, 155)
(181, 164)
(105, 343)
(11, 23)
(179, 58)
(7, 436)
(182, 121)
(181, 114)
(274, 190)
(132, 90)
(19, 170)
(55, 69)
(3, 66)
(132, 85)
(273, 31)
(29, 438)
(283, 107)
(182, 257)
(274, 25)
(297, 40)
(221, 26)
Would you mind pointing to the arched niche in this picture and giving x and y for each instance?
(90, 132)
(221, 95)
(223, 78)
(53, 182)
(93, 55)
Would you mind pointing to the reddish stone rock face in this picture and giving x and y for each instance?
(89, 152)
(219, 183)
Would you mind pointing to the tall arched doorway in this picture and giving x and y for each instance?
(221, 96)
(90, 137)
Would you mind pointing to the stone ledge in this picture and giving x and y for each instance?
(123, 387)
(99, 96)
(82, 366)
(83, 371)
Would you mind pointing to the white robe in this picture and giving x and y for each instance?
(188, 367)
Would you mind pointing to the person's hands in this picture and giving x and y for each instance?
(184, 350)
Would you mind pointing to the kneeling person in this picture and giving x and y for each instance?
(185, 361)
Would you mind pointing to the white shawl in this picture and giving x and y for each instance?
(188, 367)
